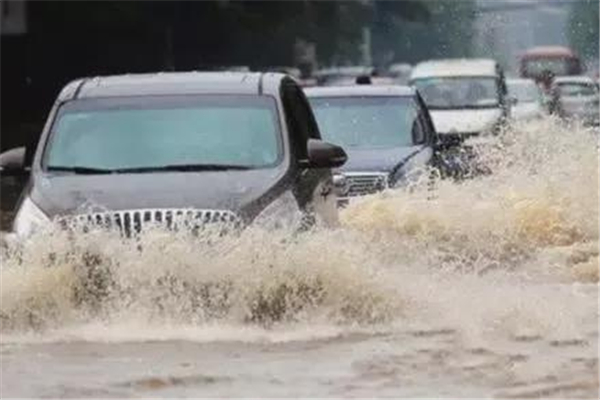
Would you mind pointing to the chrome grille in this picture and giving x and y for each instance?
(360, 184)
(130, 222)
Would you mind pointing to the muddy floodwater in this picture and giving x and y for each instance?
(483, 288)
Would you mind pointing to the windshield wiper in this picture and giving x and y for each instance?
(80, 170)
(159, 168)
(185, 168)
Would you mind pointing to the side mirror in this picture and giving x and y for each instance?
(325, 155)
(12, 162)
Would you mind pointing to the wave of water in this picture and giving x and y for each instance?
(507, 256)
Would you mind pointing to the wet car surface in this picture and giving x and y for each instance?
(484, 287)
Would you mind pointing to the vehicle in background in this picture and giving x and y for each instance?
(578, 98)
(373, 80)
(400, 73)
(307, 82)
(386, 131)
(224, 68)
(538, 62)
(125, 152)
(341, 76)
(528, 99)
(291, 71)
(466, 97)
(382, 81)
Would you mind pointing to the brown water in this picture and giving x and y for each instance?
(488, 289)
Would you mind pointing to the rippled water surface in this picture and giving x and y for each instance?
(486, 287)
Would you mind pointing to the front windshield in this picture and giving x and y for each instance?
(557, 66)
(462, 92)
(525, 92)
(366, 122)
(135, 133)
(575, 89)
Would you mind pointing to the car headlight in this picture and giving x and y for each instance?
(341, 185)
(29, 219)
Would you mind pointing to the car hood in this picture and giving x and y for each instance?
(465, 121)
(237, 191)
(377, 159)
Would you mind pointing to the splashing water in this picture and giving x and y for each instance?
(496, 260)
(535, 218)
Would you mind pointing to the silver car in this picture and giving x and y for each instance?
(527, 98)
(578, 98)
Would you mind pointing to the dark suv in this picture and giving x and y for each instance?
(386, 130)
(125, 151)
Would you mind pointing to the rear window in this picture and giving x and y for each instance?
(557, 66)
(573, 89)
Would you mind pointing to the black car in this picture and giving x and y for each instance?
(125, 151)
(386, 131)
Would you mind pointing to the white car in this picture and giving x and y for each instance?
(528, 99)
(466, 97)
(578, 98)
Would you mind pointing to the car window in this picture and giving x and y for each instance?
(143, 133)
(422, 131)
(419, 131)
(557, 66)
(366, 122)
(525, 92)
(575, 89)
(459, 92)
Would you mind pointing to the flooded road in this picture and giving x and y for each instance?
(487, 288)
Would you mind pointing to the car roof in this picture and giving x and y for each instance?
(455, 67)
(574, 79)
(359, 90)
(170, 83)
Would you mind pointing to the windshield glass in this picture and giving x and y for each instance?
(558, 66)
(366, 121)
(462, 92)
(525, 92)
(573, 89)
(133, 133)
